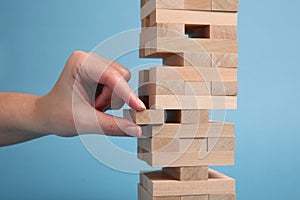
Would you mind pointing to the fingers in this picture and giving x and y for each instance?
(115, 126)
(107, 99)
(97, 69)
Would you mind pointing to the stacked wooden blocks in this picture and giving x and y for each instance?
(197, 40)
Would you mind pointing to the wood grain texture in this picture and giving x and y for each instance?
(192, 102)
(193, 74)
(162, 46)
(188, 59)
(159, 184)
(194, 116)
(212, 129)
(144, 117)
(162, 88)
(223, 32)
(221, 144)
(172, 145)
(197, 88)
(226, 60)
(224, 88)
(187, 173)
(143, 76)
(193, 17)
(188, 158)
(225, 5)
(222, 196)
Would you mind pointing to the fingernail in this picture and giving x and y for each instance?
(142, 104)
(134, 131)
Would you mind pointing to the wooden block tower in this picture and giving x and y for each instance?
(197, 40)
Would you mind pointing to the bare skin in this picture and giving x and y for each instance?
(71, 108)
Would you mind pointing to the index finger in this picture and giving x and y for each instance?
(94, 68)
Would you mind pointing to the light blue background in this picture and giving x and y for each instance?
(37, 36)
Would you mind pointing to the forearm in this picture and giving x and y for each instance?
(19, 120)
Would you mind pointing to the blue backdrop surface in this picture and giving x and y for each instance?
(37, 36)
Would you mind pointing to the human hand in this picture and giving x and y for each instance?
(71, 108)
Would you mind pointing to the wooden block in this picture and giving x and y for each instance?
(151, 5)
(144, 117)
(160, 184)
(192, 102)
(221, 144)
(199, 197)
(197, 88)
(223, 32)
(144, 195)
(162, 88)
(172, 145)
(224, 88)
(160, 46)
(188, 158)
(225, 60)
(143, 76)
(187, 173)
(222, 196)
(212, 129)
(188, 59)
(193, 74)
(193, 17)
(162, 31)
(187, 116)
(225, 5)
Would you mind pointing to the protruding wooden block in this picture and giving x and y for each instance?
(144, 195)
(212, 129)
(187, 173)
(193, 74)
(224, 88)
(160, 184)
(160, 46)
(153, 145)
(197, 88)
(143, 76)
(226, 60)
(187, 158)
(193, 17)
(225, 5)
(223, 32)
(188, 59)
(222, 196)
(162, 88)
(145, 117)
(221, 144)
(187, 116)
(173, 102)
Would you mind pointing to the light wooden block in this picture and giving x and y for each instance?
(221, 144)
(144, 195)
(162, 31)
(193, 17)
(224, 88)
(223, 32)
(193, 74)
(151, 5)
(188, 59)
(188, 158)
(197, 88)
(222, 196)
(143, 76)
(159, 46)
(199, 197)
(159, 184)
(162, 88)
(225, 5)
(144, 117)
(226, 60)
(187, 116)
(192, 102)
(187, 173)
(172, 145)
(212, 129)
